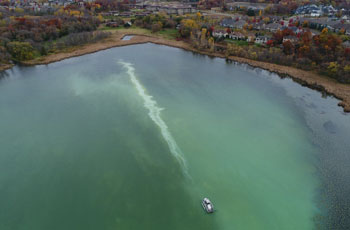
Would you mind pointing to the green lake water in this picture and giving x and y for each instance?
(134, 137)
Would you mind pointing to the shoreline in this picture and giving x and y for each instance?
(305, 78)
(6, 66)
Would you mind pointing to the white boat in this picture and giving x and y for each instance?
(207, 205)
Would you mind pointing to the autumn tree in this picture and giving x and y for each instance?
(333, 68)
(266, 20)
(187, 25)
(305, 23)
(278, 37)
(288, 47)
(203, 38)
(157, 27)
(211, 44)
(20, 51)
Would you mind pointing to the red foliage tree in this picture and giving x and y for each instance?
(288, 47)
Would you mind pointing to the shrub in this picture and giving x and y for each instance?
(156, 27)
(20, 51)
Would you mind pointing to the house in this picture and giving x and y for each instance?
(307, 9)
(113, 13)
(292, 39)
(112, 24)
(316, 11)
(177, 9)
(274, 18)
(258, 25)
(142, 14)
(262, 39)
(328, 10)
(251, 37)
(125, 14)
(239, 24)
(233, 23)
(170, 7)
(220, 34)
(315, 14)
(247, 5)
(346, 44)
(296, 30)
(273, 27)
(237, 36)
(227, 22)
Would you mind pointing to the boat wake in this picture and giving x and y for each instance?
(154, 113)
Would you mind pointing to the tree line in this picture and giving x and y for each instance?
(324, 53)
(25, 37)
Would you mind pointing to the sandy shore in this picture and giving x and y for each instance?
(5, 66)
(307, 78)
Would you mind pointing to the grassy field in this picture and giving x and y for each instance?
(166, 33)
(169, 33)
(106, 28)
(236, 42)
(130, 30)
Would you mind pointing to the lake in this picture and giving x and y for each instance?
(134, 137)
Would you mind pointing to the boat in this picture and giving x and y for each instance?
(207, 205)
